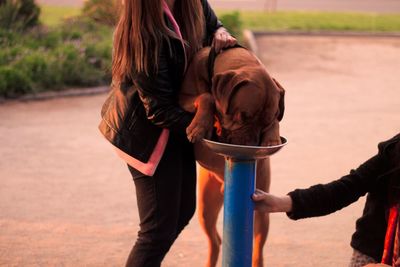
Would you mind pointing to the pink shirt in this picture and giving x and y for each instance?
(148, 168)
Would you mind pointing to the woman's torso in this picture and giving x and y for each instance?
(126, 121)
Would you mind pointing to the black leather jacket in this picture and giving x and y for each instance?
(379, 177)
(136, 111)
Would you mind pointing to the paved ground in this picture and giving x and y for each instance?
(67, 200)
(380, 6)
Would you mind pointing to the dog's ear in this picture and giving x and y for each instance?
(281, 105)
(225, 86)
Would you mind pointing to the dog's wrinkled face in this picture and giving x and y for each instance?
(249, 108)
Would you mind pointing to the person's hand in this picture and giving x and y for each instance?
(376, 265)
(396, 264)
(223, 39)
(266, 202)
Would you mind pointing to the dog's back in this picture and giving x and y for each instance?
(196, 80)
(234, 59)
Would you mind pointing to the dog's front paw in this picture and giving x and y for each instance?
(200, 127)
(203, 122)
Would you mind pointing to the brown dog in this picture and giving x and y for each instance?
(247, 109)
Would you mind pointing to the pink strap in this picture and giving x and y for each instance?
(150, 166)
(168, 12)
(175, 25)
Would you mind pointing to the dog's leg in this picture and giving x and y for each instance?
(210, 201)
(261, 220)
(203, 121)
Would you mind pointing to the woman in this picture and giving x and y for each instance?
(377, 235)
(153, 42)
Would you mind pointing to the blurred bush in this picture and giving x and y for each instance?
(42, 69)
(76, 53)
(233, 23)
(13, 82)
(102, 11)
(18, 15)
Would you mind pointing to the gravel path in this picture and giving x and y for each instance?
(67, 200)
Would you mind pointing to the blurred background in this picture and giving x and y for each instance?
(52, 45)
(67, 200)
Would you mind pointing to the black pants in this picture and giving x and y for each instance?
(166, 202)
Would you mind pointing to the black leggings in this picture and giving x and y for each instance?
(166, 202)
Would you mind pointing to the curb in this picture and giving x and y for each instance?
(73, 92)
(249, 37)
(249, 41)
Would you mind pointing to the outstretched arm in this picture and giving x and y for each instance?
(266, 202)
(323, 199)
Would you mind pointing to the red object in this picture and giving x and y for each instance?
(391, 251)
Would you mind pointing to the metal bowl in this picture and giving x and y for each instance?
(240, 152)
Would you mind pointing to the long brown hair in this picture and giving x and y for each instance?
(141, 29)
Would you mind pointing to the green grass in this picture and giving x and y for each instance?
(277, 21)
(329, 21)
(53, 15)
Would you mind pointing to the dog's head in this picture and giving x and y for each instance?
(249, 106)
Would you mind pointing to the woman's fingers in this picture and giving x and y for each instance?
(258, 195)
(232, 41)
(222, 39)
(217, 44)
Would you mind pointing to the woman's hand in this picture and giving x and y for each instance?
(396, 264)
(266, 202)
(376, 265)
(223, 39)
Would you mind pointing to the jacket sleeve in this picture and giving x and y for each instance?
(160, 98)
(322, 199)
(212, 22)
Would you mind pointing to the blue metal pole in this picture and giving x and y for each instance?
(237, 244)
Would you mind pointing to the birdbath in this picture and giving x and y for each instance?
(240, 175)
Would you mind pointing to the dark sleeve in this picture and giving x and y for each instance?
(212, 22)
(160, 98)
(322, 199)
